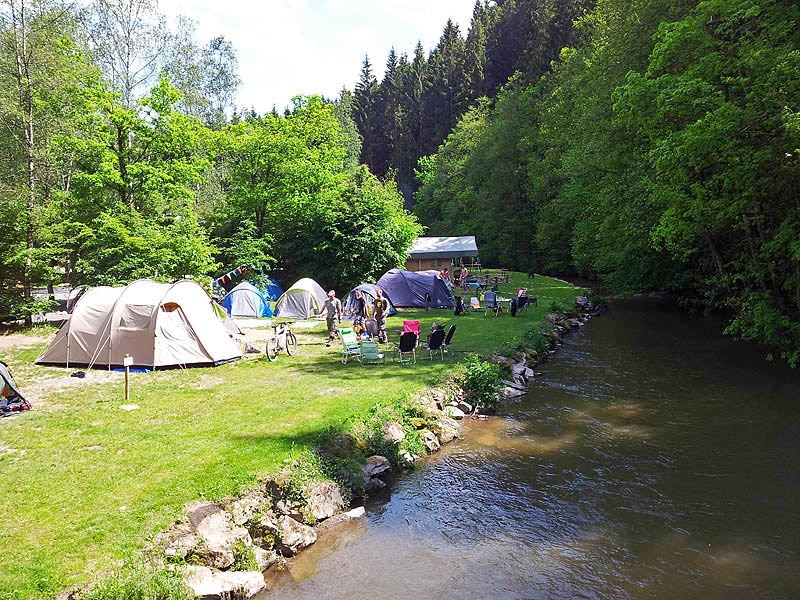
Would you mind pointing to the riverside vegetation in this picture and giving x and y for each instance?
(88, 485)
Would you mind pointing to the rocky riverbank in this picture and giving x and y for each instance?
(223, 549)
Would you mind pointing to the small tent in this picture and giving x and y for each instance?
(158, 325)
(302, 300)
(368, 292)
(245, 300)
(11, 399)
(410, 288)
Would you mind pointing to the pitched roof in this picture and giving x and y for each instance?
(444, 247)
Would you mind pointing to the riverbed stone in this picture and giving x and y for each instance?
(464, 406)
(431, 441)
(294, 536)
(446, 429)
(453, 412)
(219, 536)
(265, 558)
(393, 432)
(210, 584)
(376, 466)
(324, 499)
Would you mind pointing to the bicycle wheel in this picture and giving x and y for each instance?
(272, 349)
(291, 343)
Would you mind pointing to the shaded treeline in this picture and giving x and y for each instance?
(421, 97)
(659, 153)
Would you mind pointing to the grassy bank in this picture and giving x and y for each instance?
(86, 483)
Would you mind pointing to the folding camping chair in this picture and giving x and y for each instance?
(474, 304)
(411, 326)
(490, 303)
(370, 354)
(448, 338)
(350, 345)
(407, 347)
(435, 343)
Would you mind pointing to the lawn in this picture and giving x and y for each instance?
(87, 479)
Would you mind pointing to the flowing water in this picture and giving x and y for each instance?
(653, 459)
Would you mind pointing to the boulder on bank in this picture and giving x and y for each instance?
(210, 584)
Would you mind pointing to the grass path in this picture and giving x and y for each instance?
(84, 483)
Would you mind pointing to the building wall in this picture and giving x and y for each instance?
(426, 264)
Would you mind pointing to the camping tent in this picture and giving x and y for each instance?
(157, 324)
(368, 292)
(11, 399)
(272, 290)
(409, 288)
(302, 300)
(245, 300)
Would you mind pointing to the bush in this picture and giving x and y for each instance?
(481, 381)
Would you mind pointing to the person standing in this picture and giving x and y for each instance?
(359, 311)
(462, 280)
(380, 308)
(333, 306)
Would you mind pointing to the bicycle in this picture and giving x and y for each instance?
(282, 339)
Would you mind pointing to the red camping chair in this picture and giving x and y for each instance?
(411, 326)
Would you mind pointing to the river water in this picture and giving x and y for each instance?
(653, 459)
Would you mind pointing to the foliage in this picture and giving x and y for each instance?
(244, 558)
(140, 583)
(480, 380)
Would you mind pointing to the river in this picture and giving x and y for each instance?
(653, 458)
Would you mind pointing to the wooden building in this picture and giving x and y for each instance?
(439, 252)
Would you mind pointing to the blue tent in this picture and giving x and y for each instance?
(245, 300)
(410, 288)
(368, 291)
(272, 290)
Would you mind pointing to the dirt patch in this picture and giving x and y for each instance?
(20, 340)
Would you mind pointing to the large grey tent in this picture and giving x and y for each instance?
(302, 300)
(368, 292)
(410, 288)
(158, 325)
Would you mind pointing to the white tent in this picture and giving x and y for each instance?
(159, 325)
(302, 300)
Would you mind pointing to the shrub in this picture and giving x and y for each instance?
(481, 381)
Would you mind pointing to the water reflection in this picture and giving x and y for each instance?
(653, 460)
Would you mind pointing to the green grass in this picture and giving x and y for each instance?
(86, 484)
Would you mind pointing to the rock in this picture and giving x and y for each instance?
(521, 372)
(294, 536)
(431, 441)
(265, 558)
(375, 466)
(446, 429)
(374, 484)
(356, 513)
(243, 509)
(464, 407)
(393, 432)
(324, 499)
(210, 584)
(453, 412)
(510, 392)
(213, 526)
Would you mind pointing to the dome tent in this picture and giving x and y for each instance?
(272, 289)
(159, 325)
(246, 300)
(368, 292)
(302, 300)
(409, 288)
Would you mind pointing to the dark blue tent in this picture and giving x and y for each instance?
(272, 290)
(368, 292)
(245, 300)
(410, 288)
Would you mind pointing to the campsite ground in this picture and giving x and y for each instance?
(89, 478)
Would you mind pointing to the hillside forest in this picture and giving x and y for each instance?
(647, 144)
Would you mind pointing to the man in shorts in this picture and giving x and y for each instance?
(333, 306)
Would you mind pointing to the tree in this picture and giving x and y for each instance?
(128, 39)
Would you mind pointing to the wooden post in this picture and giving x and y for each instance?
(127, 362)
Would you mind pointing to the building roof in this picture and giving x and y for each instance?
(444, 247)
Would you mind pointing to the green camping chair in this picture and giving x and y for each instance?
(350, 345)
(370, 354)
